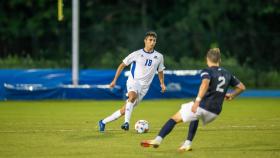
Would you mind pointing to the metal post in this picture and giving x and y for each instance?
(75, 42)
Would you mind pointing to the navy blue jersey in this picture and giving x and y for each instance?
(220, 80)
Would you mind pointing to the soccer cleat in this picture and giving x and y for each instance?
(148, 143)
(101, 126)
(125, 126)
(185, 147)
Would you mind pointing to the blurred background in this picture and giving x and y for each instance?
(247, 32)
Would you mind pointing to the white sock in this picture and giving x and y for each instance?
(158, 139)
(188, 142)
(112, 117)
(128, 111)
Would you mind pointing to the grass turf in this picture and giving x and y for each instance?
(245, 128)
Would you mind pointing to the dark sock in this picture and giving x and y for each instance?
(167, 128)
(192, 129)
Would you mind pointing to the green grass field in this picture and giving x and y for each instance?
(248, 128)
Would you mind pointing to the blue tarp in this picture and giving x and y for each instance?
(35, 84)
(93, 84)
(261, 93)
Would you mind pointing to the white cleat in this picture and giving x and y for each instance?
(187, 146)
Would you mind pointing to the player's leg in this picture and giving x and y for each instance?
(165, 130)
(136, 92)
(192, 129)
(184, 114)
(187, 146)
(114, 116)
(206, 118)
(117, 114)
(132, 96)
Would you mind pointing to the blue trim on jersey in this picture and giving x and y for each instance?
(148, 52)
(133, 68)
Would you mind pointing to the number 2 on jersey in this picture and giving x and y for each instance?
(148, 62)
(222, 82)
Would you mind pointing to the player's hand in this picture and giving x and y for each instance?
(195, 106)
(163, 88)
(112, 84)
(228, 97)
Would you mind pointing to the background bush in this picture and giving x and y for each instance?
(247, 33)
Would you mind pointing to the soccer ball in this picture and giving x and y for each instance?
(141, 126)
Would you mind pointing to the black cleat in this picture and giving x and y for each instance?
(101, 126)
(125, 126)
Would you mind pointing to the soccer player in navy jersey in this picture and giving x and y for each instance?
(144, 65)
(208, 103)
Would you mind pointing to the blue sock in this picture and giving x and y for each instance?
(167, 128)
(192, 129)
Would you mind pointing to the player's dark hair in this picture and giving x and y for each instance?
(214, 55)
(151, 33)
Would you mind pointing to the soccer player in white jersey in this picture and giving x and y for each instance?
(144, 65)
(207, 106)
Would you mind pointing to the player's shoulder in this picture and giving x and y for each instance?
(158, 54)
(215, 69)
(205, 72)
(224, 70)
(212, 71)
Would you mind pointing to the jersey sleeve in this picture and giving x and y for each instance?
(130, 58)
(161, 66)
(234, 81)
(205, 74)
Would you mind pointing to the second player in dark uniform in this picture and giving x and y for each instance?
(220, 80)
(215, 82)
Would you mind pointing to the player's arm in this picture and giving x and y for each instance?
(161, 80)
(118, 72)
(202, 90)
(237, 90)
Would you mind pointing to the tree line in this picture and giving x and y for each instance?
(246, 31)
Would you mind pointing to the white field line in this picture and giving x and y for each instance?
(249, 127)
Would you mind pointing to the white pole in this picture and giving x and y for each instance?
(75, 42)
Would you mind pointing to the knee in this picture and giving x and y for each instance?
(122, 111)
(177, 118)
(132, 99)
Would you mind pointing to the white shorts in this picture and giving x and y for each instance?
(188, 116)
(135, 86)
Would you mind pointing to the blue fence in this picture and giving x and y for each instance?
(93, 84)
(261, 93)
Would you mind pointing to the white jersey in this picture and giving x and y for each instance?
(144, 65)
